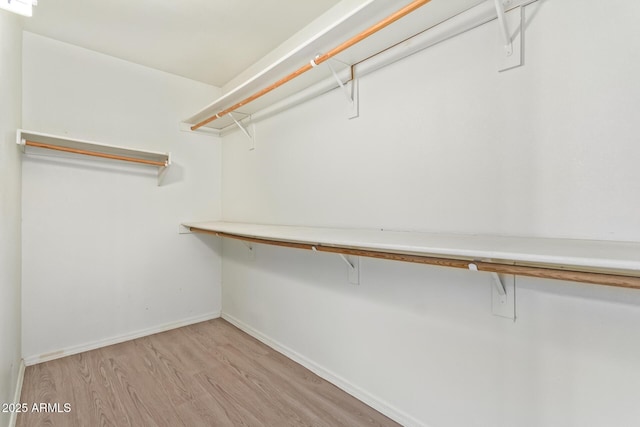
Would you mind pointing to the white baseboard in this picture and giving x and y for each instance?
(355, 391)
(16, 396)
(32, 360)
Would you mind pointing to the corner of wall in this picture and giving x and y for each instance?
(11, 366)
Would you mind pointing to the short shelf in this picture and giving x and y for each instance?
(590, 261)
(42, 141)
(88, 148)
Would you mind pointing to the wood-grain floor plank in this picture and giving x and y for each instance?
(207, 374)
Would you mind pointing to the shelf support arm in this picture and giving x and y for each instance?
(353, 262)
(354, 268)
(497, 283)
(350, 94)
(242, 128)
(503, 297)
(345, 90)
(344, 258)
(504, 28)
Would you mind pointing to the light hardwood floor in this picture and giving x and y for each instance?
(207, 374)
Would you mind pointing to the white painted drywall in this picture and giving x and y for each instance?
(445, 143)
(10, 254)
(103, 259)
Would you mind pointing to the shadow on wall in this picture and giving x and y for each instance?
(211, 242)
(597, 293)
(174, 174)
(420, 289)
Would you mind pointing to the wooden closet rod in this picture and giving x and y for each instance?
(93, 153)
(320, 59)
(615, 280)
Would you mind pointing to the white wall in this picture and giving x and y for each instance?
(10, 98)
(103, 259)
(445, 143)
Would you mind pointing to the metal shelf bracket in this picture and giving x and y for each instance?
(499, 286)
(245, 131)
(345, 90)
(510, 53)
(351, 93)
(504, 28)
(503, 294)
(353, 263)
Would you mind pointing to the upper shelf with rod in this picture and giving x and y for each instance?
(347, 43)
(42, 141)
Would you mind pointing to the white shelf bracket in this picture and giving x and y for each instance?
(345, 90)
(353, 266)
(503, 294)
(344, 258)
(353, 263)
(510, 23)
(497, 283)
(504, 28)
(351, 93)
(245, 131)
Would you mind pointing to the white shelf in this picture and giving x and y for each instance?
(26, 139)
(330, 30)
(79, 146)
(605, 258)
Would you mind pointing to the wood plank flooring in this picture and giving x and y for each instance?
(207, 374)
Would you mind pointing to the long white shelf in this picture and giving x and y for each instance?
(349, 18)
(591, 261)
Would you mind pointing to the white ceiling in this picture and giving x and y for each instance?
(206, 40)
